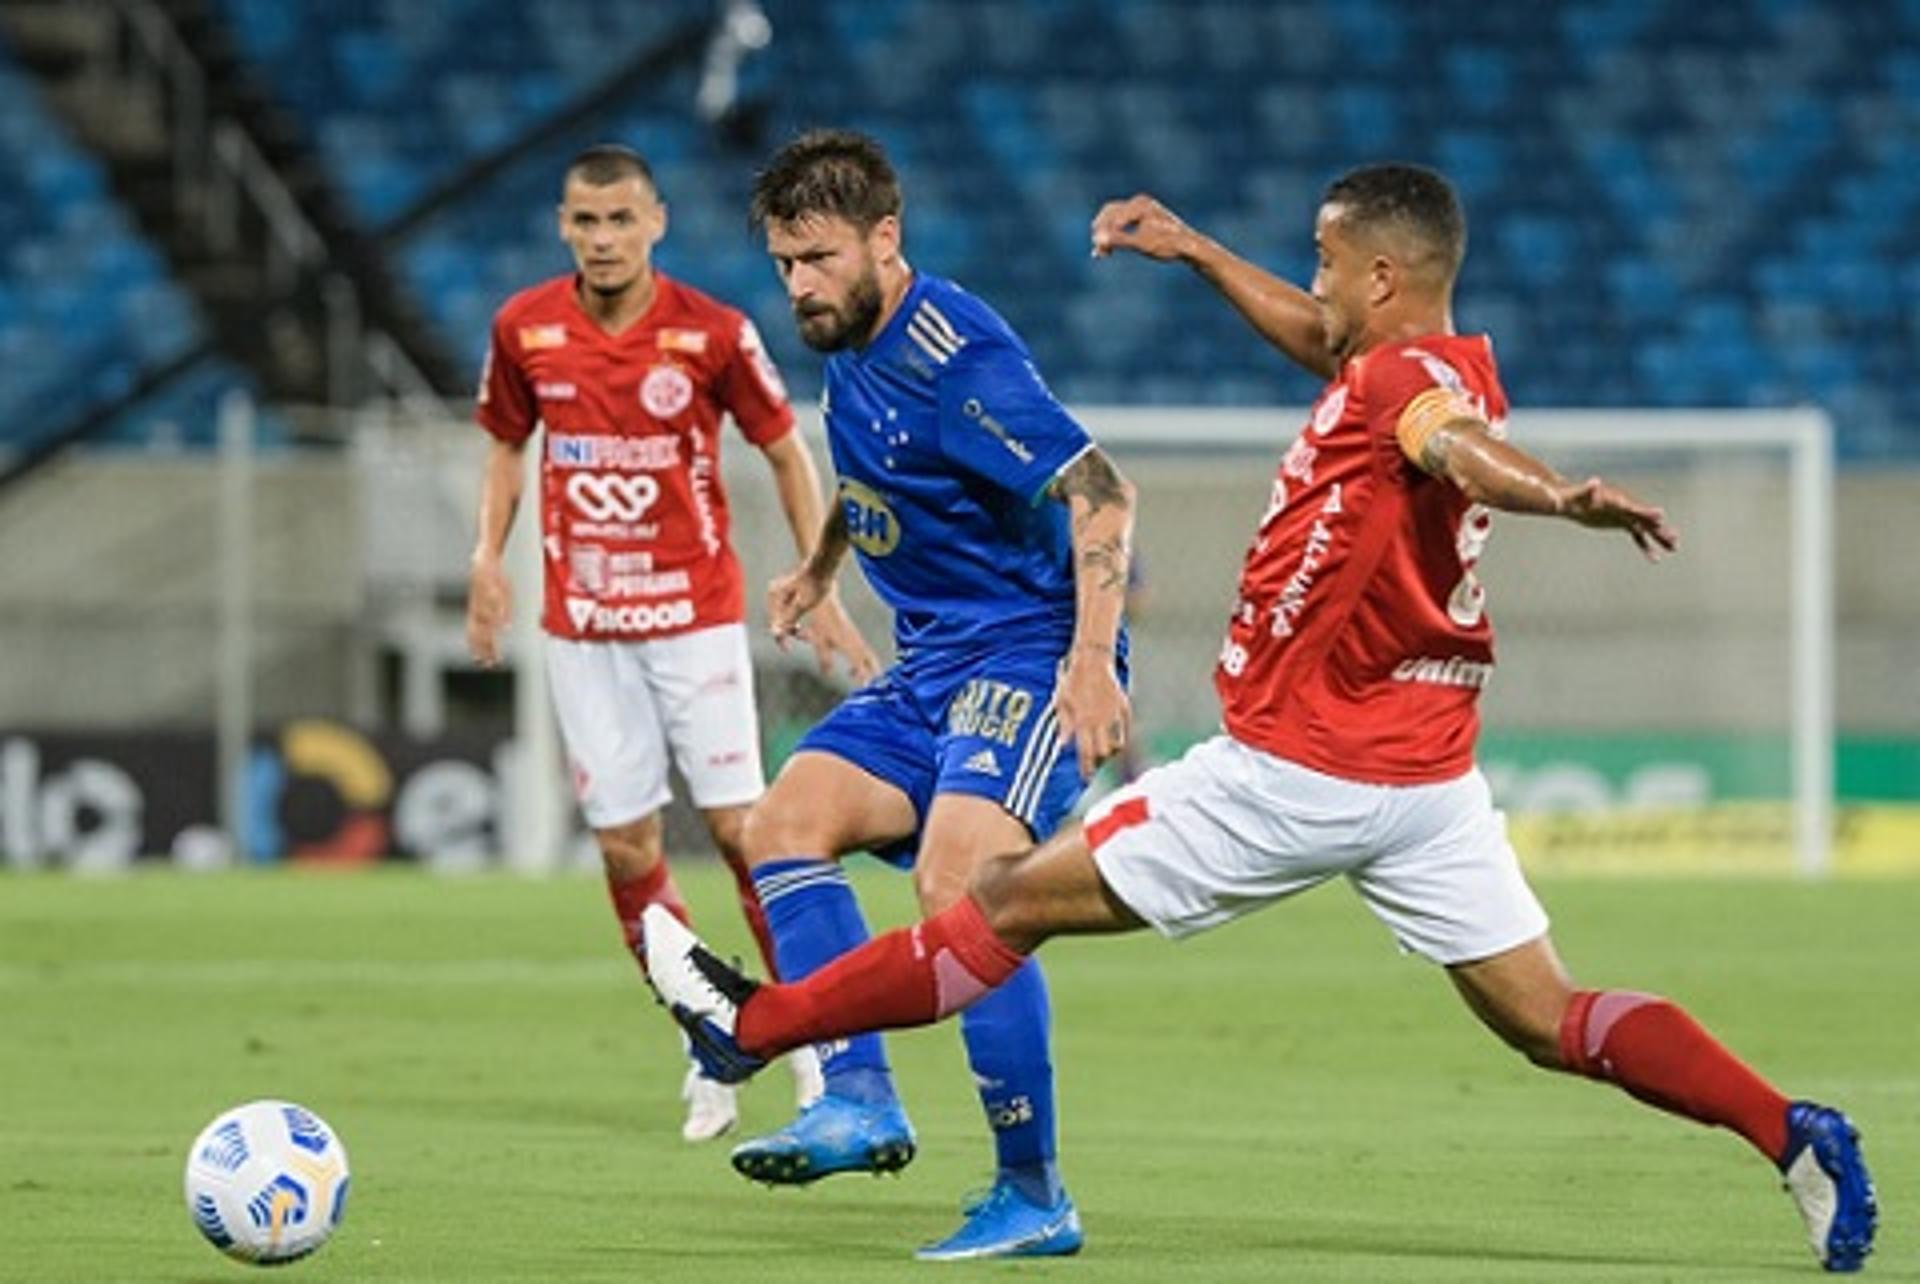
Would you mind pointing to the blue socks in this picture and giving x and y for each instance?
(1007, 1037)
(814, 919)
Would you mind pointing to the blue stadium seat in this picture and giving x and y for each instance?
(1676, 204)
(85, 302)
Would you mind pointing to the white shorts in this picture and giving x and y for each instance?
(621, 706)
(1228, 829)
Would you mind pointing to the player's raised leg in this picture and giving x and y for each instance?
(820, 806)
(702, 683)
(907, 977)
(1653, 1049)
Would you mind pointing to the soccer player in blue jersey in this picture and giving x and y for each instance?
(998, 533)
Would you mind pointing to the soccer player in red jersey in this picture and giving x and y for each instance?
(1348, 682)
(630, 374)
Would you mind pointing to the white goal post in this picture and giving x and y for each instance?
(1737, 630)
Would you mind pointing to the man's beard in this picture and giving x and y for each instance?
(829, 329)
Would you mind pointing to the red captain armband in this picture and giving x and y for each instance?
(1426, 414)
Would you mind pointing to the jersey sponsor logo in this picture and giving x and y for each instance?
(1011, 1113)
(691, 342)
(1452, 671)
(763, 367)
(1292, 602)
(991, 710)
(587, 567)
(871, 526)
(659, 450)
(612, 497)
(555, 391)
(1328, 412)
(984, 763)
(640, 617)
(666, 391)
(537, 338)
(973, 410)
(1298, 462)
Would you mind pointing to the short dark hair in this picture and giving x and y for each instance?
(604, 164)
(1409, 198)
(826, 172)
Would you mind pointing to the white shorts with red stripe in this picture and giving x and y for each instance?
(1228, 829)
(625, 706)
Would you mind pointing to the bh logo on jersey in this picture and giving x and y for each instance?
(871, 525)
(612, 497)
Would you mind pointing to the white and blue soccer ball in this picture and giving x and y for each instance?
(267, 1182)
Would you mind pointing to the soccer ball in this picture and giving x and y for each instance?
(267, 1182)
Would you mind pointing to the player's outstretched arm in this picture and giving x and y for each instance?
(1091, 705)
(804, 604)
(1464, 451)
(489, 596)
(1285, 315)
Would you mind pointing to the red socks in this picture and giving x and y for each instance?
(1658, 1053)
(913, 976)
(631, 896)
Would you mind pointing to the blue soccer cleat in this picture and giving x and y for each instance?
(1006, 1224)
(1828, 1181)
(833, 1135)
(703, 994)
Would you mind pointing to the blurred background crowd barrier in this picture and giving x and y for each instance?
(250, 248)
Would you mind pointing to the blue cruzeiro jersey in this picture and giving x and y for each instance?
(945, 439)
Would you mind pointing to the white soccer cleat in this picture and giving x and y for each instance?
(808, 1083)
(712, 1108)
(702, 993)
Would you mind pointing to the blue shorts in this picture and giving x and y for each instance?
(981, 723)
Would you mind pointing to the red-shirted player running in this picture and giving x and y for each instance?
(630, 374)
(1349, 679)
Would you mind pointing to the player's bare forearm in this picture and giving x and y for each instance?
(798, 485)
(1492, 472)
(1284, 314)
(1489, 471)
(823, 562)
(500, 485)
(1100, 502)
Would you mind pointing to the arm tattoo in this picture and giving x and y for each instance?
(1434, 450)
(1092, 477)
(1106, 565)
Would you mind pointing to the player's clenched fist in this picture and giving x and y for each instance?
(1143, 225)
(489, 607)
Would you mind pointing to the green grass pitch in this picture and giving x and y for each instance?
(1288, 1098)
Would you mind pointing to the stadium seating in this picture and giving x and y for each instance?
(1694, 205)
(86, 303)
